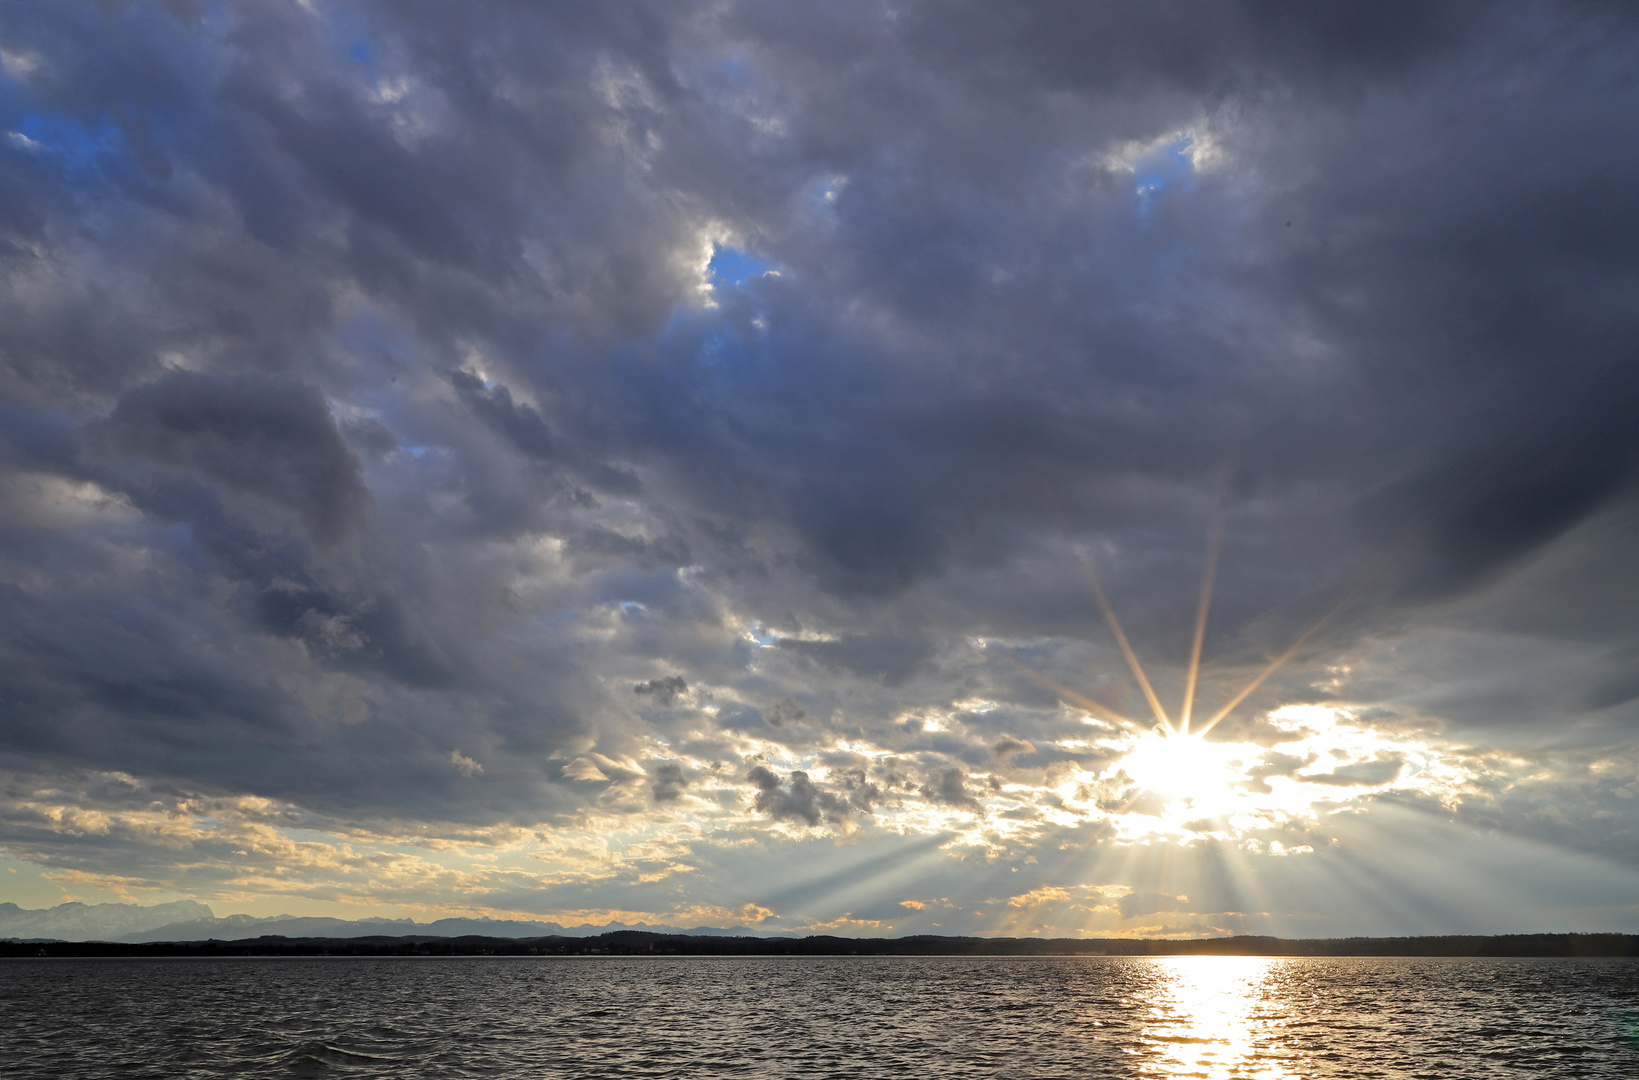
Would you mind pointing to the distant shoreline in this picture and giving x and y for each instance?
(644, 943)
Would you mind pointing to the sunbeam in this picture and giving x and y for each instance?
(1092, 705)
(1214, 543)
(1121, 638)
(1370, 577)
(1366, 581)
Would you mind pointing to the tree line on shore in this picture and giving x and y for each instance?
(644, 943)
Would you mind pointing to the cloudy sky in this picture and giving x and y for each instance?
(663, 462)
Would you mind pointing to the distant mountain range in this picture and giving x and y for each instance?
(189, 920)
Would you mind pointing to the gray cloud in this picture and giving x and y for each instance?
(783, 712)
(665, 691)
(796, 798)
(949, 787)
(1006, 746)
(1362, 774)
(890, 657)
(669, 782)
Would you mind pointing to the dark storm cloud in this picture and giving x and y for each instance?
(264, 435)
(890, 657)
(371, 630)
(1194, 46)
(470, 453)
(522, 426)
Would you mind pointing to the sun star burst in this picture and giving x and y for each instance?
(1186, 771)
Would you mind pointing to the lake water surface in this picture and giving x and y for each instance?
(819, 1017)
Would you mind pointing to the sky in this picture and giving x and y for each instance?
(709, 463)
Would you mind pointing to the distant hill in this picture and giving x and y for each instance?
(95, 922)
(188, 920)
(246, 927)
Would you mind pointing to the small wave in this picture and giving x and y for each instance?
(320, 1055)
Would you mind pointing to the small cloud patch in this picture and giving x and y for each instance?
(1008, 745)
(669, 781)
(785, 711)
(948, 787)
(586, 771)
(797, 799)
(1385, 770)
(665, 691)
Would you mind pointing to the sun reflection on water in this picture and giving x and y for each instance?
(1210, 1017)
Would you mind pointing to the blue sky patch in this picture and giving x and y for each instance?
(75, 144)
(733, 267)
(1170, 168)
(736, 71)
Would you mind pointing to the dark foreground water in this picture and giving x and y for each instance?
(819, 1017)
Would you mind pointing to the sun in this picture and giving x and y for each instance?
(1182, 778)
(1185, 769)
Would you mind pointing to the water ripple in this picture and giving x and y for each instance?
(843, 1017)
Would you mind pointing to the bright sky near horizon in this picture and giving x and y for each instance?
(772, 465)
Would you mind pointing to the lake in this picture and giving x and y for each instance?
(1084, 1017)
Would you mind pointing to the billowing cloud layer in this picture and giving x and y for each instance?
(652, 458)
